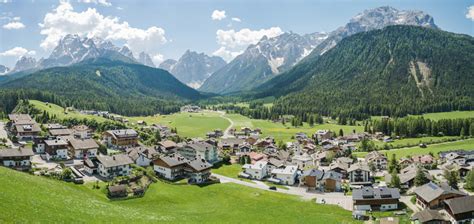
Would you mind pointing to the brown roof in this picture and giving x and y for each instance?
(30, 127)
(79, 144)
(428, 215)
(16, 152)
(59, 132)
(172, 160)
(461, 205)
(168, 144)
(116, 160)
(18, 117)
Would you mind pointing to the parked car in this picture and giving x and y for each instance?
(273, 188)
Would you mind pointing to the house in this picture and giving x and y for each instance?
(322, 158)
(432, 196)
(81, 131)
(302, 160)
(190, 109)
(90, 165)
(274, 163)
(170, 167)
(200, 150)
(359, 174)
(197, 171)
(461, 209)
(167, 147)
(404, 162)
(328, 181)
(378, 159)
(255, 171)
(56, 149)
(59, 132)
(16, 158)
(142, 156)
(455, 157)
(255, 157)
(113, 166)
(231, 144)
(23, 126)
(339, 167)
(83, 148)
(55, 126)
(322, 135)
(269, 149)
(423, 159)
(121, 139)
(407, 178)
(244, 149)
(428, 216)
(285, 175)
(375, 199)
(467, 154)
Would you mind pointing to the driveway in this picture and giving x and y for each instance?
(406, 201)
(330, 198)
(4, 134)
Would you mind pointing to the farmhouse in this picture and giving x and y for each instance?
(432, 196)
(112, 166)
(302, 160)
(83, 148)
(368, 198)
(321, 180)
(122, 138)
(430, 217)
(167, 147)
(322, 135)
(407, 177)
(16, 158)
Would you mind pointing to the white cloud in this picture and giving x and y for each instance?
(5, 1)
(90, 23)
(100, 2)
(157, 59)
(236, 19)
(119, 8)
(14, 26)
(244, 37)
(233, 43)
(218, 15)
(16, 18)
(226, 54)
(470, 12)
(17, 52)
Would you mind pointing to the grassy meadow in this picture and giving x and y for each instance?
(285, 132)
(54, 109)
(31, 199)
(448, 115)
(467, 144)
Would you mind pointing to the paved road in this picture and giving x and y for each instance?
(227, 130)
(330, 198)
(406, 200)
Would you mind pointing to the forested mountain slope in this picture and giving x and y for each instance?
(393, 71)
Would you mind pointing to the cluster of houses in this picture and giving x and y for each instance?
(320, 163)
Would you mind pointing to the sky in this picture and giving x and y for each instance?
(167, 28)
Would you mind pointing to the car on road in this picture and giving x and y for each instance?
(273, 188)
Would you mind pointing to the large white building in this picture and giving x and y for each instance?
(285, 175)
(255, 171)
(112, 166)
(16, 158)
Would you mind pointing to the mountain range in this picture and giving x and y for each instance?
(193, 68)
(270, 57)
(395, 71)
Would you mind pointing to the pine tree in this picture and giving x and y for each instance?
(452, 178)
(395, 181)
(393, 166)
(420, 177)
(341, 132)
(470, 180)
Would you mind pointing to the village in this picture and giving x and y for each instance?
(429, 187)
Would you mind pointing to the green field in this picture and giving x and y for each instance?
(467, 144)
(449, 115)
(413, 141)
(188, 124)
(229, 170)
(30, 199)
(285, 132)
(54, 109)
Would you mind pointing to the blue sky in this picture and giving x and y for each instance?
(166, 29)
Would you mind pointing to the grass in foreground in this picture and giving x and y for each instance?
(27, 198)
(467, 144)
(285, 132)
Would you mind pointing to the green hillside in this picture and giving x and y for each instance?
(29, 199)
(109, 85)
(396, 71)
